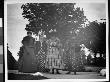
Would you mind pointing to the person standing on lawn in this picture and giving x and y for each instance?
(54, 55)
(28, 56)
(40, 51)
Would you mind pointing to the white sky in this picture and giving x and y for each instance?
(15, 27)
(16, 24)
(93, 11)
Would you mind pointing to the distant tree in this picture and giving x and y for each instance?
(58, 19)
(95, 36)
(12, 63)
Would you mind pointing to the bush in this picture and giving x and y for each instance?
(93, 69)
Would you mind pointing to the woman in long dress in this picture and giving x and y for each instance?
(54, 55)
(41, 56)
(28, 58)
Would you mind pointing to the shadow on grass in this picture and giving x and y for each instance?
(12, 76)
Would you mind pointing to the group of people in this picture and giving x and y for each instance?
(43, 55)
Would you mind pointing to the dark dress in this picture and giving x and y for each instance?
(28, 59)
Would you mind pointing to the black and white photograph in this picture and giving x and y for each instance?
(57, 40)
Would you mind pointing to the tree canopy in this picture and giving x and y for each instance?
(60, 19)
(65, 21)
(95, 36)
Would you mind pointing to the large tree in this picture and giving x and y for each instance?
(95, 34)
(59, 18)
(62, 20)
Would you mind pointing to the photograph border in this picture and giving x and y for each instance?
(56, 1)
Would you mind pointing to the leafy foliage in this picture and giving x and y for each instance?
(95, 36)
(62, 17)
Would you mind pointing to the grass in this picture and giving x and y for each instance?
(93, 69)
(12, 76)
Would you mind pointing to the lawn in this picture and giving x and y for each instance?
(24, 77)
(89, 73)
(63, 75)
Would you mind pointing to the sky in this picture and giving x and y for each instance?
(16, 23)
(15, 27)
(93, 11)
